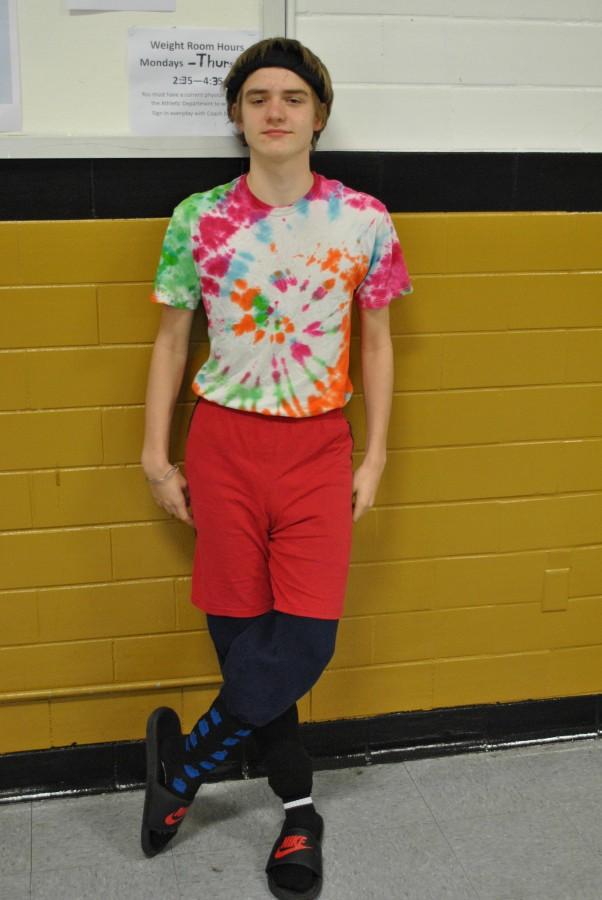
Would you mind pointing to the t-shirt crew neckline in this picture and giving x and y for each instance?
(279, 210)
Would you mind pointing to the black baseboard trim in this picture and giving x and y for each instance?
(107, 767)
(54, 189)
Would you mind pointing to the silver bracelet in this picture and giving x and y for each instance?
(163, 478)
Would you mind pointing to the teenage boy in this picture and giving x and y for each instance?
(277, 257)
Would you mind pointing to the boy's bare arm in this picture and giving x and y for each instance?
(166, 370)
(377, 377)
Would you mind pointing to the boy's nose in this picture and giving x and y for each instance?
(275, 110)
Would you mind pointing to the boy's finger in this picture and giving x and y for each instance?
(183, 514)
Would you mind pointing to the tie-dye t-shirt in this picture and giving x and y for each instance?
(277, 285)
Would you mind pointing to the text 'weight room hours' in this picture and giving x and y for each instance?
(193, 45)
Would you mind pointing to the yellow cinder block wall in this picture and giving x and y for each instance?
(476, 578)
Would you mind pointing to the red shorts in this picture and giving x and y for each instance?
(271, 499)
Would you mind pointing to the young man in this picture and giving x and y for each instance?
(277, 257)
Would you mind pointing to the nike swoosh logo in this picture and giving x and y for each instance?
(280, 853)
(175, 817)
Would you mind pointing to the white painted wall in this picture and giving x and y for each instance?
(74, 66)
(423, 75)
(445, 75)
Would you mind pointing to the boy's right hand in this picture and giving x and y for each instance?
(174, 498)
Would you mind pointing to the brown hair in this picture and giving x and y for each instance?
(315, 65)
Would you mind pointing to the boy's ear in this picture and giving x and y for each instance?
(318, 121)
(235, 115)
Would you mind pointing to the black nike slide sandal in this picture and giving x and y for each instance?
(163, 810)
(302, 848)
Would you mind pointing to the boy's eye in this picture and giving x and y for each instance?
(291, 99)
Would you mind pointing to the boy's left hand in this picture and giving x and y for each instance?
(365, 485)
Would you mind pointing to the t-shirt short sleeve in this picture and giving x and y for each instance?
(177, 280)
(387, 276)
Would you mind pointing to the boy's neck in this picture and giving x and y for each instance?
(282, 184)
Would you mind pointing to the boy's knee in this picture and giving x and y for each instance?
(317, 646)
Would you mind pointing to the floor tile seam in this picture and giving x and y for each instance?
(575, 805)
(132, 866)
(579, 793)
(185, 886)
(579, 849)
(30, 844)
(420, 794)
(444, 836)
(573, 784)
(226, 849)
(96, 864)
(174, 870)
(528, 807)
(584, 835)
(550, 771)
(224, 853)
(441, 830)
(459, 861)
(520, 804)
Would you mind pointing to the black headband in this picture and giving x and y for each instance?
(282, 60)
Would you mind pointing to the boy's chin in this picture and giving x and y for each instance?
(276, 149)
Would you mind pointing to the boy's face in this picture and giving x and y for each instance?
(277, 113)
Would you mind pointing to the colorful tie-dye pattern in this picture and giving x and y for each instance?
(277, 284)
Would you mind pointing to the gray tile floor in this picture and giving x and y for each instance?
(503, 825)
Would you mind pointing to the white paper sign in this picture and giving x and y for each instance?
(10, 89)
(176, 76)
(123, 5)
